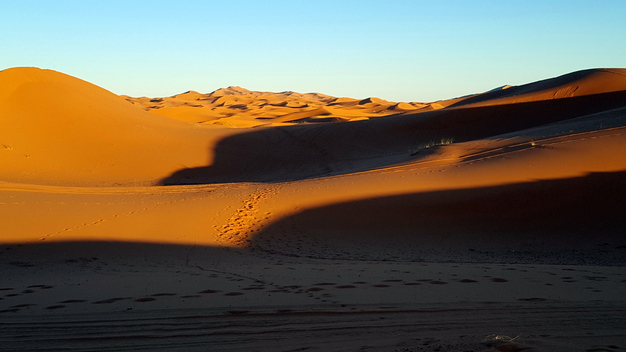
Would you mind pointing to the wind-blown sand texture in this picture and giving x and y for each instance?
(256, 221)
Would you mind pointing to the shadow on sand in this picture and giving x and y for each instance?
(578, 220)
(574, 221)
(298, 152)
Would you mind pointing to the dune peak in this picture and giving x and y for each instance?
(231, 90)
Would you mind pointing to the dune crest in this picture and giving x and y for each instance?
(239, 107)
(575, 84)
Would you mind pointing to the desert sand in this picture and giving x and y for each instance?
(240, 220)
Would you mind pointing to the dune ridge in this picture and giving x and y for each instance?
(239, 107)
(579, 83)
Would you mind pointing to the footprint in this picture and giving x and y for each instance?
(111, 300)
(145, 299)
(209, 291)
(346, 286)
(603, 349)
(279, 291)
(58, 306)
(163, 294)
(596, 278)
(314, 289)
(233, 294)
(532, 299)
(25, 305)
(105, 301)
(380, 285)
(11, 310)
(497, 279)
(43, 287)
(238, 312)
(74, 301)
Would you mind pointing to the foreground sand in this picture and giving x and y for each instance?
(250, 221)
(125, 296)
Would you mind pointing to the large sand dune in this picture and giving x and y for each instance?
(231, 218)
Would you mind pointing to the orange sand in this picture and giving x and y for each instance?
(312, 210)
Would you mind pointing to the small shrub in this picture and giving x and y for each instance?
(431, 144)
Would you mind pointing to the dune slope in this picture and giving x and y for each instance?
(57, 129)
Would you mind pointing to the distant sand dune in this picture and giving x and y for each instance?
(586, 82)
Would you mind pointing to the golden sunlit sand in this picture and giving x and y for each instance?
(240, 220)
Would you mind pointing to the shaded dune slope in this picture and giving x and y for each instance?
(296, 152)
(577, 220)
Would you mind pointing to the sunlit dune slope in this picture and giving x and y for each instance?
(239, 107)
(575, 84)
(57, 129)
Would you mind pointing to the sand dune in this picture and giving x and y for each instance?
(239, 107)
(575, 84)
(239, 219)
(60, 130)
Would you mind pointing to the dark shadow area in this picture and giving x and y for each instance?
(606, 119)
(580, 220)
(305, 151)
(94, 252)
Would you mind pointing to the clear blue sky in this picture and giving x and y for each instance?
(395, 50)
